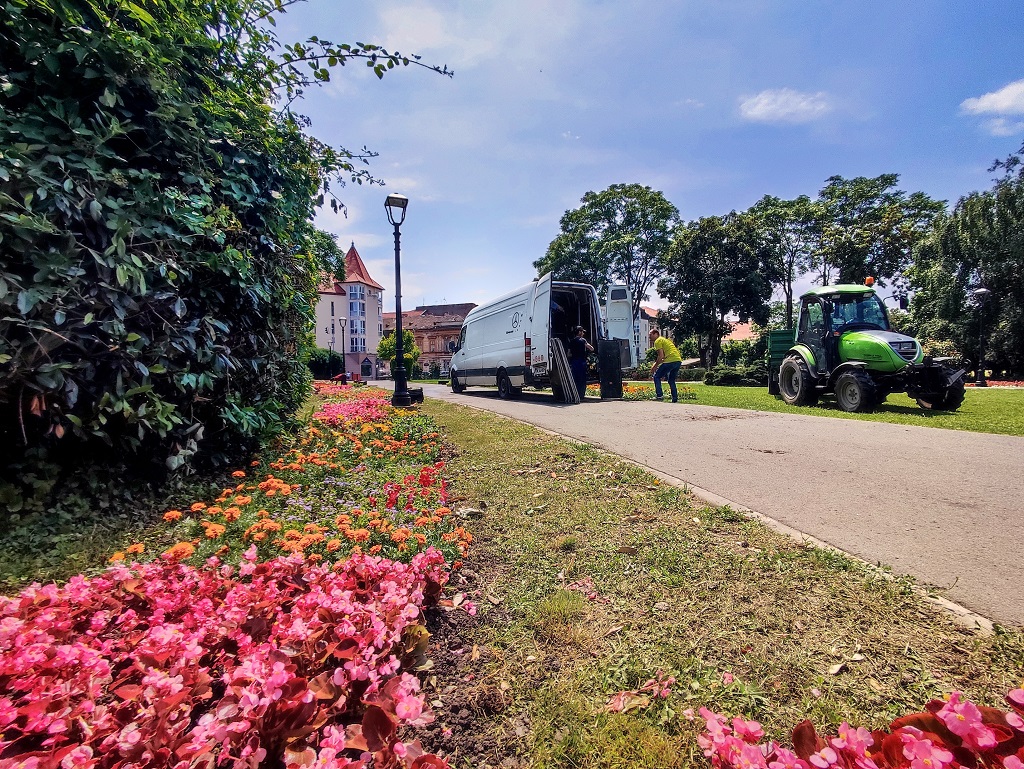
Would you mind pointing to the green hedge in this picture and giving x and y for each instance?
(325, 364)
(755, 375)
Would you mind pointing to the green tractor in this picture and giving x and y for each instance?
(844, 345)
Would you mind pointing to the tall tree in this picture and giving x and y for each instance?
(979, 245)
(789, 229)
(718, 266)
(868, 227)
(620, 234)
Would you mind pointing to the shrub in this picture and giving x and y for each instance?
(755, 375)
(324, 364)
(695, 374)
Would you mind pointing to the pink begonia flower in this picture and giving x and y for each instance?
(748, 731)
(856, 741)
(728, 678)
(1015, 721)
(78, 758)
(963, 718)
(469, 607)
(824, 758)
(787, 759)
(1016, 696)
(924, 754)
(689, 715)
(1012, 762)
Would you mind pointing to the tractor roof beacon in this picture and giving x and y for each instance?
(843, 344)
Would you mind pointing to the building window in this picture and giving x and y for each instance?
(353, 345)
(362, 328)
(380, 329)
(332, 309)
(357, 292)
(353, 327)
(362, 309)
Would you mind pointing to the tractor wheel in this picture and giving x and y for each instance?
(855, 391)
(880, 396)
(796, 385)
(457, 387)
(950, 400)
(505, 389)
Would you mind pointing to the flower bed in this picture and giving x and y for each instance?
(166, 664)
(950, 733)
(644, 392)
(276, 632)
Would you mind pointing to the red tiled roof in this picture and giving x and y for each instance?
(355, 270)
(740, 333)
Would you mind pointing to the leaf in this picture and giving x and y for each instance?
(837, 669)
(377, 728)
(623, 702)
(108, 98)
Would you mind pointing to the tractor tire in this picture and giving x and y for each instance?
(457, 387)
(856, 391)
(796, 385)
(880, 397)
(505, 389)
(951, 400)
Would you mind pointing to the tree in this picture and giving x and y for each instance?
(979, 245)
(620, 234)
(158, 269)
(386, 350)
(789, 229)
(867, 227)
(718, 266)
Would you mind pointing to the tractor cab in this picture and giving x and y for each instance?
(827, 314)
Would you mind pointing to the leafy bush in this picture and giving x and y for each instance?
(695, 374)
(324, 364)
(755, 375)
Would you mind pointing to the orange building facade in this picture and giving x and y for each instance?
(435, 328)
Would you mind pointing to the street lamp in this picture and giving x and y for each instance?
(330, 358)
(395, 206)
(980, 295)
(342, 321)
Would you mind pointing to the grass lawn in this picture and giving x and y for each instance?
(985, 410)
(592, 576)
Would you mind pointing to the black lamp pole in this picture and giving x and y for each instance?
(396, 205)
(981, 294)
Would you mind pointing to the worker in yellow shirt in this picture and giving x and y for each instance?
(666, 365)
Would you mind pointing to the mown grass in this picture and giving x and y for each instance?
(985, 410)
(694, 591)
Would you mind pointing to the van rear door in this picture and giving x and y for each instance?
(540, 324)
(619, 317)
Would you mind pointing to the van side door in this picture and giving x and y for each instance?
(539, 330)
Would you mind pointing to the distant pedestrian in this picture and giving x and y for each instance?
(666, 365)
(578, 349)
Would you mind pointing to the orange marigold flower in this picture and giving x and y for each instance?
(262, 514)
(232, 513)
(180, 551)
(239, 487)
(311, 528)
(116, 557)
(254, 463)
(374, 550)
(333, 544)
(135, 548)
(269, 525)
(197, 506)
(213, 530)
(343, 520)
(240, 500)
(226, 492)
(292, 534)
(214, 510)
(238, 474)
(400, 535)
(315, 557)
(271, 493)
(259, 536)
(421, 538)
(174, 515)
(358, 535)
(224, 549)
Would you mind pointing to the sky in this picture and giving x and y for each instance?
(715, 104)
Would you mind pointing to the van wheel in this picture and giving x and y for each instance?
(505, 388)
(457, 387)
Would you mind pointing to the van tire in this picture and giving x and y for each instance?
(457, 387)
(505, 389)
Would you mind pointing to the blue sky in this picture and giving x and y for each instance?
(713, 103)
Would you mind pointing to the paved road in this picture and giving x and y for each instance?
(944, 506)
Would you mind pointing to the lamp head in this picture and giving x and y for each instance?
(981, 293)
(396, 205)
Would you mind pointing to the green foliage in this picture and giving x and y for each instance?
(619, 234)
(718, 266)
(324, 364)
(695, 374)
(980, 244)
(386, 347)
(753, 375)
(158, 267)
(789, 228)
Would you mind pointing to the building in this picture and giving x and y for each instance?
(435, 328)
(350, 316)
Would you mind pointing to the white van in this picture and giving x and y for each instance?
(507, 342)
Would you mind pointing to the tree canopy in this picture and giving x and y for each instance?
(718, 266)
(620, 234)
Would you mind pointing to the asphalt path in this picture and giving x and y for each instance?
(944, 506)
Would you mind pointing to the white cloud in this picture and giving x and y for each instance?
(785, 105)
(1008, 100)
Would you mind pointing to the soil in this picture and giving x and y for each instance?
(475, 723)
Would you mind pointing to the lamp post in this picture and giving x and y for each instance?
(981, 294)
(330, 358)
(342, 321)
(395, 206)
